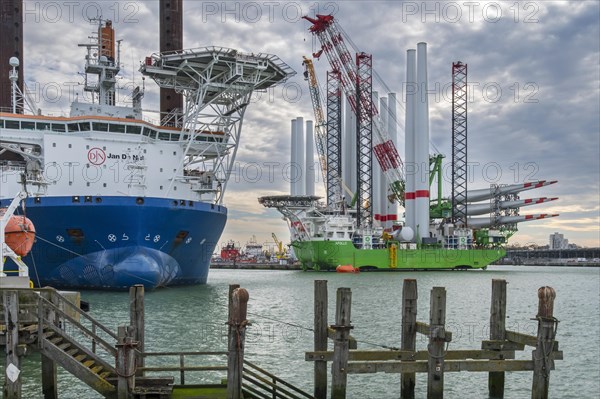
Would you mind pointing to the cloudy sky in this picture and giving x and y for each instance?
(534, 73)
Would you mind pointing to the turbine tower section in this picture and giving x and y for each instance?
(459, 143)
(11, 45)
(171, 40)
(364, 139)
(334, 137)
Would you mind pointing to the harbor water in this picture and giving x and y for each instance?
(281, 312)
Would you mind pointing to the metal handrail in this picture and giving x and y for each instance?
(277, 385)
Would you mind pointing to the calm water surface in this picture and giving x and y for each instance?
(280, 309)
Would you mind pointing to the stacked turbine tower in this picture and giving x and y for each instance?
(302, 163)
(502, 203)
(417, 142)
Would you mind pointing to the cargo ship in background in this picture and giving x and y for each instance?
(117, 200)
(356, 227)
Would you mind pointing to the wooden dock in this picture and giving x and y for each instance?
(115, 364)
(496, 356)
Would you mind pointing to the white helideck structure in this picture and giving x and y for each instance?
(217, 84)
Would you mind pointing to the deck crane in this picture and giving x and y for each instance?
(333, 45)
(320, 123)
(321, 132)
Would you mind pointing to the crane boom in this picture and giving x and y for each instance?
(334, 47)
(320, 123)
(320, 128)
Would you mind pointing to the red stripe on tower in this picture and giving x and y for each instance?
(409, 196)
(422, 194)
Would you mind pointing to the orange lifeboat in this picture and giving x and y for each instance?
(19, 234)
(347, 269)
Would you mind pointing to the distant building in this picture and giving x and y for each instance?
(558, 241)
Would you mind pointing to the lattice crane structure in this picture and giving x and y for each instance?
(217, 84)
(459, 143)
(333, 44)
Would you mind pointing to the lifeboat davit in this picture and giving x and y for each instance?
(19, 234)
(347, 269)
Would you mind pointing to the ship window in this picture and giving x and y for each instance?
(27, 125)
(152, 133)
(84, 126)
(175, 136)
(133, 129)
(100, 127)
(1, 123)
(146, 132)
(161, 169)
(12, 124)
(42, 126)
(58, 127)
(73, 127)
(116, 128)
(164, 136)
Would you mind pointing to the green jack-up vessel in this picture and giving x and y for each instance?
(359, 231)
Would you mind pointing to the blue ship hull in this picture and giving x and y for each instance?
(112, 243)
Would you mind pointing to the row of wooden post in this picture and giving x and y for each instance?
(438, 337)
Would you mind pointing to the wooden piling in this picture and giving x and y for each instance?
(12, 386)
(437, 341)
(497, 332)
(49, 383)
(543, 360)
(342, 327)
(237, 331)
(48, 365)
(125, 362)
(136, 319)
(320, 338)
(409, 334)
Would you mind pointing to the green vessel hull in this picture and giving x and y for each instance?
(327, 255)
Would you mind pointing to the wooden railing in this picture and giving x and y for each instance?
(182, 366)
